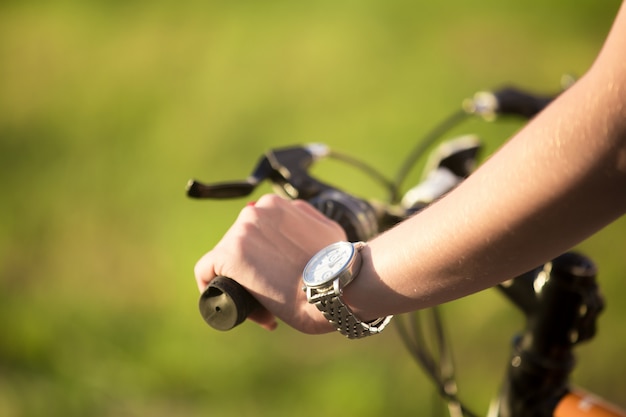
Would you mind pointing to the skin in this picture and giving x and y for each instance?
(555, 183)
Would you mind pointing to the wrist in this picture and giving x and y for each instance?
(365, 295)
(327, 275)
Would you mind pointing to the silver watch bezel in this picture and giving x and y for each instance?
(326, 295)
(342, 277)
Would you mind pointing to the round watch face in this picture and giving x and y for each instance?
(326, 264)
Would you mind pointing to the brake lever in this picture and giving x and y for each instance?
(286, 168)
(231, 189)
(234, 189)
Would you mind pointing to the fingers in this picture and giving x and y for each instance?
(204, 272)
(263, 318)
(296, 220)
(311, 211)
(265, 251)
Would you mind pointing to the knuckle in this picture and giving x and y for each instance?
(203, 271)
(270, 200)
(198, 268)
(301, 204)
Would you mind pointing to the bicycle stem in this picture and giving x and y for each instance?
(561, 302)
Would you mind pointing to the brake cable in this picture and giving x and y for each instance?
(388, 185)
(440, 366)
(422, 146)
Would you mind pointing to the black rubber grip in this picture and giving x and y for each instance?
(226, 304)
(514, 101)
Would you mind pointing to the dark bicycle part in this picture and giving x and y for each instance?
(507, 101)
(286, 168)
(225, 304)
(357, 217)
(561, 313)
(518, 102)
(232, 189)
(447, 166)
(458, 155)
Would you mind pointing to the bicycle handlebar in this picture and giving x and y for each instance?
(225, 304)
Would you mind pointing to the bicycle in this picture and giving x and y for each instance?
(560, 300)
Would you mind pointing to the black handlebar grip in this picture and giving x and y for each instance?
(514, 101)
(225, 304)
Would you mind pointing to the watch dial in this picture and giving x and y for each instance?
(325, 265)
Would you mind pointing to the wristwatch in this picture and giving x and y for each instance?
(325, 276)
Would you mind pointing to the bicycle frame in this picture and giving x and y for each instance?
(579, 403)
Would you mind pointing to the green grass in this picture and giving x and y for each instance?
(107, 108)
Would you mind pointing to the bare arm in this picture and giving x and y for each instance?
(559, 180)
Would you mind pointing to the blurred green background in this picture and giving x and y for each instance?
(107, 108)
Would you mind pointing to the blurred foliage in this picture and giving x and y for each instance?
(108, 107)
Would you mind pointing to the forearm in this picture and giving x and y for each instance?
(559, 180)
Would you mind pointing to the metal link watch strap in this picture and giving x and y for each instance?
(346, 322)
(327, 298)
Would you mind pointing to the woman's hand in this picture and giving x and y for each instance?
(265, 251)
